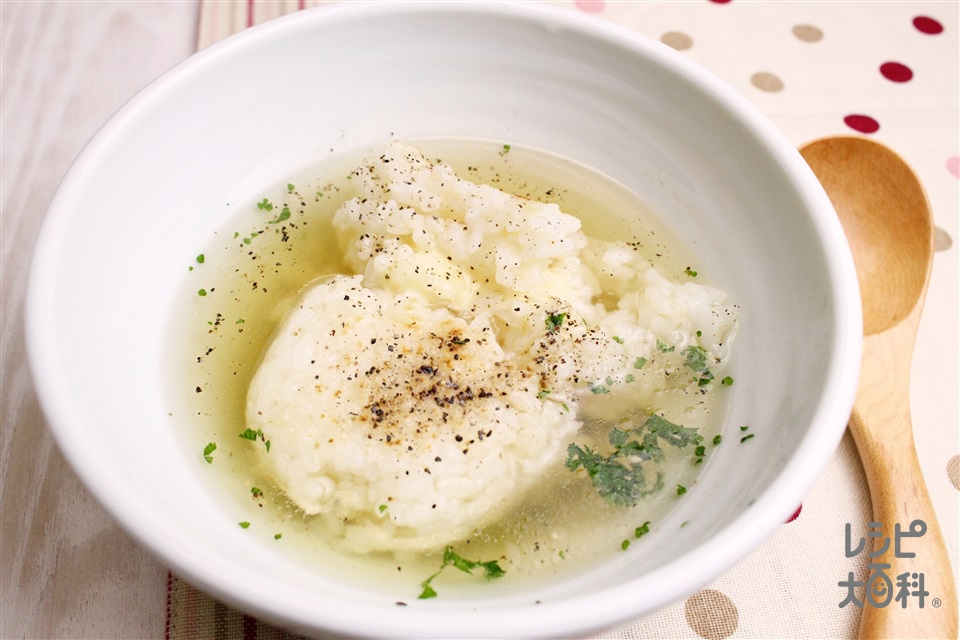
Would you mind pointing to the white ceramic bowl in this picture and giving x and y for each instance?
(149, 190)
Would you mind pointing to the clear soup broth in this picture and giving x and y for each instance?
(249, 277)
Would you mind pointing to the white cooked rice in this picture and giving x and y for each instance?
(407, 404)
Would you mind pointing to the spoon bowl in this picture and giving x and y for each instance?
(884, 212)
(886, 217)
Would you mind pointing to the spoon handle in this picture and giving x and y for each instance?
(881, 426)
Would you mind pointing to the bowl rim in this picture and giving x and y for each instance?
(607, 607)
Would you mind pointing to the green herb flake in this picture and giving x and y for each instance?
(491, 570)
(618, 339)
(727, 381)
(697, 361)
(200, 258)
(382, 508)
(201, 292)
(690, 272)
(744, 427)
(717, 439)
(681, 489)
(696, 358)
(555, 321)
(284, 215)
(277, 536)
(208, 450)
(597, 389)
(746, 437)
(629, 378)
(563, 556)
(265, 205)
(619, 477)
(700, 452)
(240, 321)
(256, 492)
(639, 362)
(642, 530)
(699, 333)
(290, 188)
(506, 148)
(543, 393)
(609, 381)
(250, 434)
(625, 545)
(663, 348)
(244, 525)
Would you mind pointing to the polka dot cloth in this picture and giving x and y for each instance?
(590, 6)
(807, 33)
(766, 81)
(711, 614)
(796, 514)
(953, 472)
(884, 70)
(893, 71)
(896, 72)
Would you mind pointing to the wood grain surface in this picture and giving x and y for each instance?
(65, 67)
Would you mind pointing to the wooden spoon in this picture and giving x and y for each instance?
(886, 217)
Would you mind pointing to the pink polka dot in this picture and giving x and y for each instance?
(862, 123)
(896, 72)
(928, 25)
(720, 1)
(590, 6)
(953, 166)
(796, 514)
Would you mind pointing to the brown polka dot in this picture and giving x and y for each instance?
(766, 81)
(941, 239)
(677, 40)
(953, 471)
(807, 33)
(711, 614)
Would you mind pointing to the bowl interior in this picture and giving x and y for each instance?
(150, 190)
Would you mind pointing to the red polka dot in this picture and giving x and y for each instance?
(953, 166)
(720, 1)
(590, 6)
(926, 24)
(862, 123)
(896, 72)
(796, 514)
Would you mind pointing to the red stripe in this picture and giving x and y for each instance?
(166, 626)
(301, 5)
(250, 12)
(249, 628)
